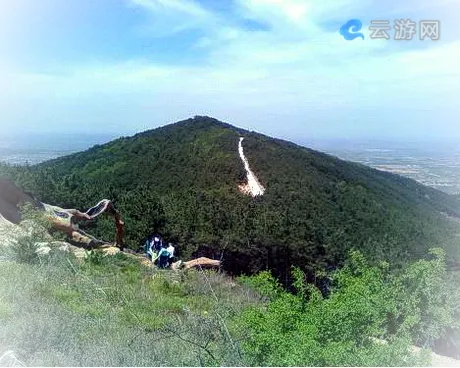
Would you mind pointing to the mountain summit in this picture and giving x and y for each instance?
(189, 181)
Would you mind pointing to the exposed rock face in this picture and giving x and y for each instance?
(8, 359)
(4, 221)
(9, 232)
(10, 197)
(436, 359)
(440, 360)
(201, 262)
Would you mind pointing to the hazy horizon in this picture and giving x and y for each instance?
(82, 140)
(277, 67)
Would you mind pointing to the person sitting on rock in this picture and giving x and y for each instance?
(171, 251)
(156, 243)
(146, 247)
(164, 257)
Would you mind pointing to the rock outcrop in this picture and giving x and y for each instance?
(10, 197)
(9, 359)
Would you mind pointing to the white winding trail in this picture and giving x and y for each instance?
(253, 187)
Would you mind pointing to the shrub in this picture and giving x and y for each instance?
(366, 304)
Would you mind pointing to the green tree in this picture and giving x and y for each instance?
(369, 318)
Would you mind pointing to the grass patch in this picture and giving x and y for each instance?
(111, 311)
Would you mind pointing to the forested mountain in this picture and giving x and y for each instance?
(182, 180)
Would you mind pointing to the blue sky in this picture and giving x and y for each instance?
(276, 66)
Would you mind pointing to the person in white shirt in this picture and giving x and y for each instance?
(170, 250)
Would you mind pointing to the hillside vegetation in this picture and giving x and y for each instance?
(363, 254)
(181, 180)
(112, 311)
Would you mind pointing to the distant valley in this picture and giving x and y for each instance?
(34, 149)
(434, 165)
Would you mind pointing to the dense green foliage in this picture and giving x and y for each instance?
(370, 317)
(181, 180)
(111, 311)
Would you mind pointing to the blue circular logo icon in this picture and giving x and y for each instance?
(354, 25)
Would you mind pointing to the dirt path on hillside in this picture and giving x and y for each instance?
(253, 186)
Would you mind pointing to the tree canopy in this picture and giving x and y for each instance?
(181, 180)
